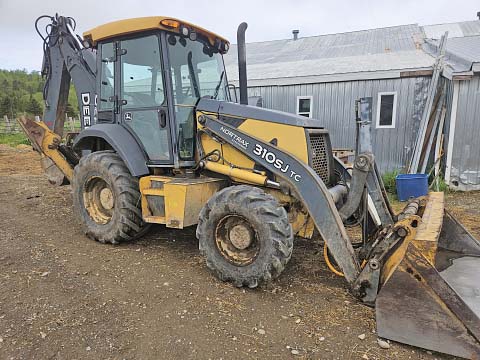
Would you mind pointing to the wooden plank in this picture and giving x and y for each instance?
(439, 145)
(432, 90)
(416, 73)
(462, 77)
(432, 134)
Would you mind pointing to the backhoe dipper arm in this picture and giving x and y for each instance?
(66, 59)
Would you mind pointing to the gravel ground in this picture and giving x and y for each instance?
(66, 297)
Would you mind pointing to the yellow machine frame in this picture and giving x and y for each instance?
(176, 202)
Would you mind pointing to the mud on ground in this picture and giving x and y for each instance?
(66, 297)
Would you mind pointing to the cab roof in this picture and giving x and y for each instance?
(130, 26)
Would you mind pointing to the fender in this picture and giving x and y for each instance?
(120, 140)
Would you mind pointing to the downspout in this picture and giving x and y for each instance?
(242, 62)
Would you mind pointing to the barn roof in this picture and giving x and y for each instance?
(455, 30)
(368, 54)
(462, 55)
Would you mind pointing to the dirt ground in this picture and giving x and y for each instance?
(66, 297)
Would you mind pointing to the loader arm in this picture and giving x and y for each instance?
(303, 182)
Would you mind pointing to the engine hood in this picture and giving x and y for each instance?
(229, 109)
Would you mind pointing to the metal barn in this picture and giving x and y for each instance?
(322, 76)
(462, 73)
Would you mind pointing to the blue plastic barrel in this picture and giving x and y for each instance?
(411, 186)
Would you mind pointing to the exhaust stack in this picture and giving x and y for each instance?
(242, 63)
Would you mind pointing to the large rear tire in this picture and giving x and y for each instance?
(245, 236)
(106, 199)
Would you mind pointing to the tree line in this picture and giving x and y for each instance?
(21, 93)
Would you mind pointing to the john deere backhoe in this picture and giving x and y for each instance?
(161, 141)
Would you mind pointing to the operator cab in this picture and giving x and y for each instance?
(153, 71)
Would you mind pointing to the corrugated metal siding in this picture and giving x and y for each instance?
(466, 147)
(352, 68)
(461, 53)
(459, 29)
(350, 44)
(353, 54)
(467, 48)
(333, 106)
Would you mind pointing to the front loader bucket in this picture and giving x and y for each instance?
(432, 299)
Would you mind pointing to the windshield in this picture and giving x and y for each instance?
(197, 70)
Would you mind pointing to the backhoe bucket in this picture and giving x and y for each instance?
(432, 298)
(47, 143)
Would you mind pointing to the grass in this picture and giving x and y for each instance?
(389, 181)
(442, 185)
(391, 186)
(14, 139)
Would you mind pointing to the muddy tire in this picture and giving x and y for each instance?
(106, 199)
(245, 236)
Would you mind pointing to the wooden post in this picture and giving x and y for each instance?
(7, 124)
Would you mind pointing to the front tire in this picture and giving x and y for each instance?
(245, 236)
(106, 198)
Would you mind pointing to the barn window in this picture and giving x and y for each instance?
(304, 106)
(386, 110)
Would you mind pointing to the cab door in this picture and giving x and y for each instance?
(142, 96)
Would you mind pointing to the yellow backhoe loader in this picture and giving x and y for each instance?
(162, 142)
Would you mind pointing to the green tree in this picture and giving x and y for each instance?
(6, 106)
(5, 85)
(3, 106)
(71, 110)
(40, 86)
(17, 87)
(33, 107)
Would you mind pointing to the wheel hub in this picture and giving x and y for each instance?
(98, 200)
(106, 198)
(241, 236)
(237, 240)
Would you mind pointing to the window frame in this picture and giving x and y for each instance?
(166, 105)
(305, 97)
(394, 110)
(100, 53)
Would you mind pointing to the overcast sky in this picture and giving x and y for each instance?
(20, 47)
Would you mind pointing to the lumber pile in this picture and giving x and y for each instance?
(429, 142)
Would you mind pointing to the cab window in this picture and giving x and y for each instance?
(142, 84)
(107, 81)
(197, 70)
